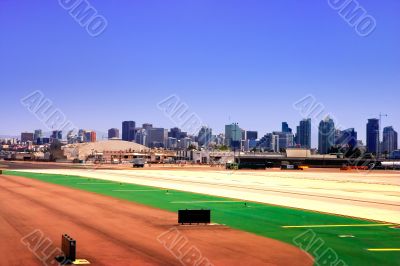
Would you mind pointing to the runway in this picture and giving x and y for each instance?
(374, 196)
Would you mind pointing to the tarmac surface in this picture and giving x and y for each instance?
(34, 215)
(372, 195)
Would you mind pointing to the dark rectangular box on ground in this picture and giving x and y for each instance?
(68, 247)
(194, 216)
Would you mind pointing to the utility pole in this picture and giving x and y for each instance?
(379, 141)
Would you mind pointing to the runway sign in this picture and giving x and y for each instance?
(68, 247)
(194, 216)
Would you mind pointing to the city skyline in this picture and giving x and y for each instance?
(257, 61)
(327, 137)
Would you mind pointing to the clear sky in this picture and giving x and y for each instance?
(228, 60)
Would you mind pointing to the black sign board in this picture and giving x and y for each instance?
(68, 247)
(194, 216)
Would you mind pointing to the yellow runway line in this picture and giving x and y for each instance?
(336, 225)
(383, 249)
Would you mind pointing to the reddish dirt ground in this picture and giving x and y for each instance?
(116, 232)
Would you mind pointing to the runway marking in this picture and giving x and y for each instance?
(335, 225)
(135, 190)
(383, 249)
(97, 183)
(68, 178)
(206, 201)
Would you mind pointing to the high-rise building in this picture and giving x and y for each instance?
(390, 138)
(373, 135)
(147, 126)
(251, 135)
(128, 130)
(141, 136)
(204, 136)
(157, 137)
(37, 135)
(346, 138)
(269, 143)
(285, 140)
(326, 135)
(303, 136)
(172, 143)
(56, 135)
(113, 133)
(90, 136)
(26, 136)
(175, 133)
(233, 136)
(286, 128)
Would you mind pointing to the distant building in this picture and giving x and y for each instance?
(326, 135)
(72, 137)
(185, 143)
(128, 130)
(141, 136)
(251, 135)
(56, 135)
(90, 136)
(147, 126)
(175, 133)
(172, 143)
(26, 136)
(42, 141)
(37, 135)
(373, 135)
(286, 128)
(157, 137)
(390, 138)
(266, 143)
(346, 138)
(285, 140)
(204, 136)
(113, 133)
(303, 136)
(233, 136)
(395, 154)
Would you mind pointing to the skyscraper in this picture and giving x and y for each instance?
(113, 133)
(266, 143)
(128, 130)
(204, 136)
(285, 140)
(157, 137)
(251, 135)
(326, 135)
(56, 135)
(175, 132)
(389, 143)
(346, 138)
(141, 136)
(373, 135)
(233, 136)
(37, 135)
(286, 128)
(303, 136)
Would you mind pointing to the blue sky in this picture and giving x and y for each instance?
(229, 61)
